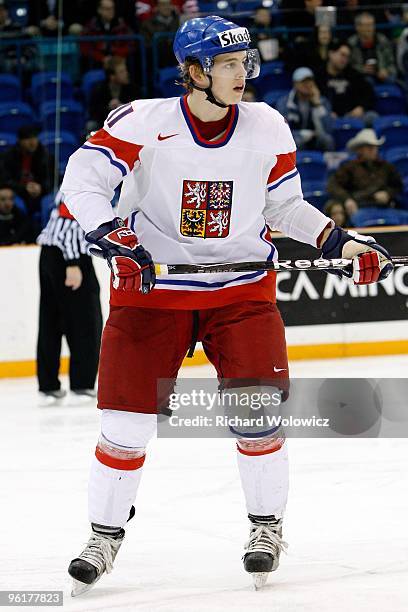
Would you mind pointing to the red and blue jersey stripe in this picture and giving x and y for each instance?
(198, 139)
(121, 154)
(284, 170)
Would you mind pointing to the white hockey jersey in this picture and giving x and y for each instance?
(190, 200)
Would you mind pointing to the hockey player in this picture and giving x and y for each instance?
(204, 177)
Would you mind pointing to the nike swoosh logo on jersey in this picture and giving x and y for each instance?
(160, 137)
(275, 369)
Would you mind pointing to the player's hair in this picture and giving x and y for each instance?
(184, 68)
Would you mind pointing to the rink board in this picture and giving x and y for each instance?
(320, 302)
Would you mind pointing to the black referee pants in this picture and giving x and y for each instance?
(74, 314)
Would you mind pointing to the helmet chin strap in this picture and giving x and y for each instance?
(210, 95)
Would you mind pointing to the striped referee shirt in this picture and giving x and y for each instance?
(65, 233)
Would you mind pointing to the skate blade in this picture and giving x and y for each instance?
(259, 579)
(79, 588)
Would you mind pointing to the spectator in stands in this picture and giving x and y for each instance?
(307, 112)
(106, 23)
(268, 43)
(107, 95)
(165, 19)
(145, 9)
(336, 211)
(300, 14)
(402, 50)
(346, 13)
(367, 180)
(10, 59)
(319, 47)
(130, 11)
(28, 168)
(371, 52)
(250, 93)
(349, 93)
(348, 9)
(70, 306)
(15, 226)
(43, 17)
(187, 9)
(309, 16)
(8, 29)
(312, 51)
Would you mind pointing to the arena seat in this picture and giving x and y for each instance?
(246, 6)
(10, 88)
(220, 7)
(344, 129)
(394, 128)
(166, 86)
(311, 165)
(273, 76)
(7, 140)
(365, 217)
(402, 199)
(44, 87)
(399, 157)
(19, 202)
(67, 143)
(271, 97)
(389, 100)
(14, 115)
(47, 204)
(88, 81)
(315, 193)
(71, 116)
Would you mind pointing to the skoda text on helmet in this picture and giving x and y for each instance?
(204, 38)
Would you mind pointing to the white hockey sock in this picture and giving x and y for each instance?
(117, 466)
(264, 470)
(111, 493)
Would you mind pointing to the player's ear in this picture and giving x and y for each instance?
(197, 74)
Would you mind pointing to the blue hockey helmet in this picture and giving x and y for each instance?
(203, 38)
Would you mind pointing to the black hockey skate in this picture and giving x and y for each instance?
(263, 548)
(97, 557)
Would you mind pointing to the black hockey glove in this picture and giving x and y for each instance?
(132, 266)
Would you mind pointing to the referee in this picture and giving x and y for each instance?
(70, 307)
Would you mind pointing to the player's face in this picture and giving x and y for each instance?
(228, 77)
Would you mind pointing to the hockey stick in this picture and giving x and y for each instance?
(253, 266)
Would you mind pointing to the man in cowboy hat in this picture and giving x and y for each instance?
(367, 180)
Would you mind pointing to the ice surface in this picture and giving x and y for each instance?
(346, 522)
